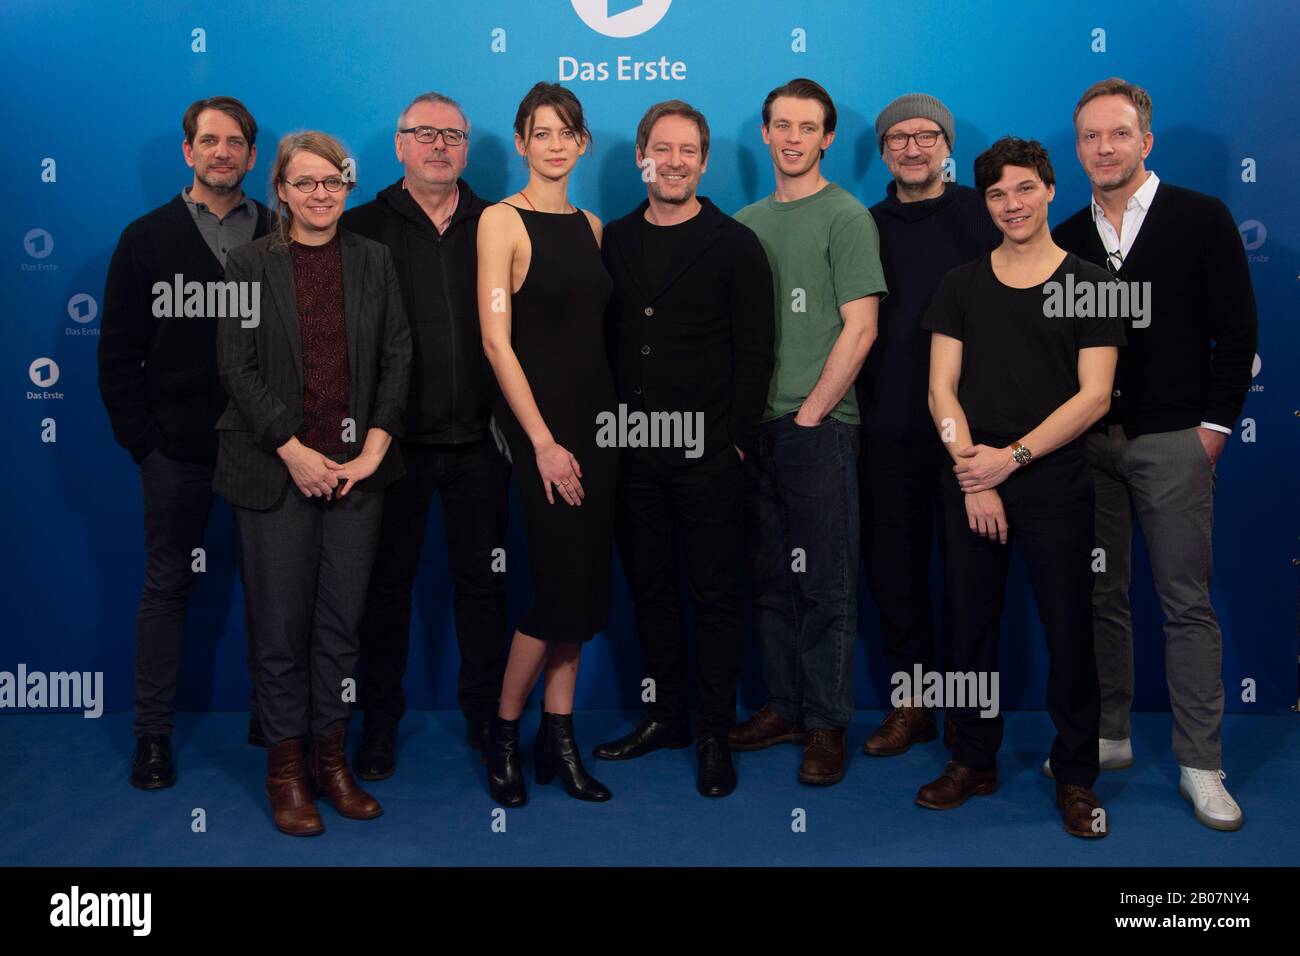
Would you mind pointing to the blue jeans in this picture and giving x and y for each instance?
(801, 517)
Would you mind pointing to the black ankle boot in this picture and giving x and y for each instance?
(556, 752)
(505, 770)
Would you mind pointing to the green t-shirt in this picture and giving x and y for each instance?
(824, 251)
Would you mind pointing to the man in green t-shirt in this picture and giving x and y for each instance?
(801, 495)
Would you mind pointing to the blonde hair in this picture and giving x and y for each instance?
(1114, 86)
(314, 141)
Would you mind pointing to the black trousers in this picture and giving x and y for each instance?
(1049, 508)
(900, 485)
(177, 502)
(304, 564)
(473, 483)
(700, 504)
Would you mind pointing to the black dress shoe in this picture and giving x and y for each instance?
(151, 766)
(255, 735)
(376, 758)
(717, 773)
(505, 768)
(556, 754)
(649, 735)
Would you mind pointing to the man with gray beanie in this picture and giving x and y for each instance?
(928, 226)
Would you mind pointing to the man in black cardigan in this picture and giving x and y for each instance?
(690, 332)
(158, 379)
(1179, 390)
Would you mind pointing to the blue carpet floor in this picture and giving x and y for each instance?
(66, 801)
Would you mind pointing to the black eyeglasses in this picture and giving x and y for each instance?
(1115, 263)
(428, 134)
(305, 184)
(925, 139)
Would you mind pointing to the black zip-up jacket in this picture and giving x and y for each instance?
(452, 386)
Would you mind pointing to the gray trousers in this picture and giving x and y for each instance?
(305, 565)
(1167, 480)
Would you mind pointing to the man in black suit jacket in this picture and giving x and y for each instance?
(1179, 388)
(690, 332)
(158, 380)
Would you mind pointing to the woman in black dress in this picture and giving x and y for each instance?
(542, 290)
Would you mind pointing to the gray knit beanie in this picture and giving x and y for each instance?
(913, 106)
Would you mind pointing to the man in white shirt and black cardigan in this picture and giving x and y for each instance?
(1179, 389)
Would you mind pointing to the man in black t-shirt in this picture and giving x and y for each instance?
(690, 333)
(1022, 360)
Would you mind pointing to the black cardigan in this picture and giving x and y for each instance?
(701, 340)
(1192, 362)
(158, 376)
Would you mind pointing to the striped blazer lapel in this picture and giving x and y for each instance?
(279, 276)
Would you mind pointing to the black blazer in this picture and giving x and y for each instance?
(709, 327)
(261, 367)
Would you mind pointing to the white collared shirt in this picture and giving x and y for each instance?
(1135, 212)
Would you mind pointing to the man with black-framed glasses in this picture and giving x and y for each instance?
(429, 221)
(928, 226)
(1179, 389)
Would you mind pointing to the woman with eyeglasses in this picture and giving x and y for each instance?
(542, 290)
(317, 378)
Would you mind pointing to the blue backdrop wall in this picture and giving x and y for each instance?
(94, 92)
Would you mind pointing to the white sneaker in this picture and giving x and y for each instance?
(1214, 806)
(1111, 755)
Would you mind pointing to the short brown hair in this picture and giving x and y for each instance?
(236, 110)
(557, 98)
(1010, 151)
(804, 89)
(1114, 86)
(310, 141)
(672, 108)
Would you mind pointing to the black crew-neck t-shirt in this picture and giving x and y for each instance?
(1019, 363)
(659, 245)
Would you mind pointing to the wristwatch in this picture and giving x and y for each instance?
(1021, 454)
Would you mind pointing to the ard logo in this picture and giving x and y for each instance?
(1253, 234)
(621, 18)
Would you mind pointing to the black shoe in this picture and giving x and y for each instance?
(717, 773)
(476, 735)
(556, 753)
(376, 758)
(649, 735)
(505, 769)
(151, 766)
(255, 735)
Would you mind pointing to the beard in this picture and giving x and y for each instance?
(931, 177)
(1116, 179)
(227, 184)
(660, 195)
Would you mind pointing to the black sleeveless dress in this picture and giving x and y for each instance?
(557, 332)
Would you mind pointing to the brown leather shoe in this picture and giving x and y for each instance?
(764, 729)
(903, 727)
(1081, 812)
(824, 757)
(330, 776)
(286, 788)
(956, 785)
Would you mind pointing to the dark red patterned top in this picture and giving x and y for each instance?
(318, 283)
